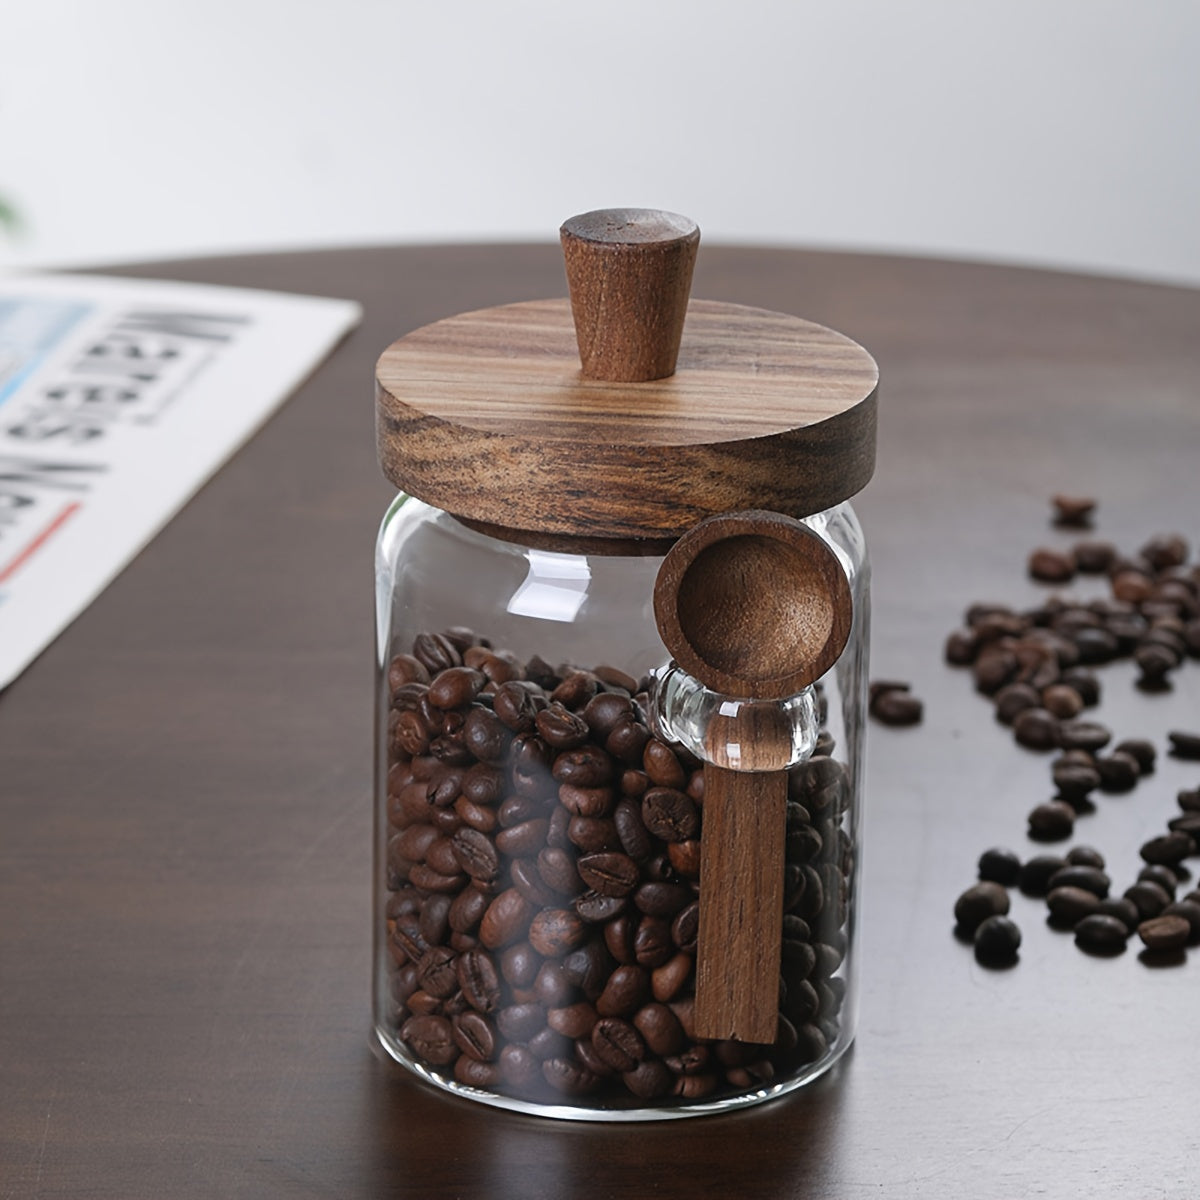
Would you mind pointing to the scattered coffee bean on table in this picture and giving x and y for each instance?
(1184, 745)
(1038, 667)
(977, 903)
(1165, 932)
(892, 703)
(1075, 511)
(1000, 866)
(996, 941)
(1100, 933)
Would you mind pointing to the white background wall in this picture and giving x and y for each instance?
(1059, 132)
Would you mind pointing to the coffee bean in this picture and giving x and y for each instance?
(667, 981)
(1036, 729)
(1165, 550)
(685, 857)
(519, 964)
(593, 834)
(485, 735)
(475, 854)
(588, 968)
(1169, 849)
(662, 766)
(1190, 911)
(506, 919)
(961, 647)
(574, 1020)
(618, 1043)
(551, 987)
(1188, 822)
(1051, 566)
(557, 870)
(1014, 699)
(1037, 872)
(1094, 558)
(1075, 780)
(555, 931)
(1069, 905)
(435, 652)
(1062, 701)
(1165, 932)
(431, 1038)
(1051, 822)
(595, 908)
(1149, 898)
(650, 1080)
(1141, 751)
(517, 705)
(1132, 586)
(520, 1022)
(996, 941)
(569, 1077)
(993, 668)
(519, 1069)
(525, 839)
(1083, 735)
(1073, 510)
(474, 1035)
(605, 711)
(586, 802)
(897, 708)
(977, 903)
(1155, 662)
(999, 866)
(586, 766)
(627, 989)
(467, 909)
(1119, 771)
(455, 687)
(576, 689)
(1124, 910)
(658, 899)
(627, 742)
(670, 814)
(561, 728)
(1083, 681)
(1100, 933)
(1184, 745)
(1189, 800)
(1073, 875)
(1085, 856)
(1162, 875)
(480, 982)
(609, 873)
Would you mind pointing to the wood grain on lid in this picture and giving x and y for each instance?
(489, 416)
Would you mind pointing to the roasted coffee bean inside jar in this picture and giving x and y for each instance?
(542, 869)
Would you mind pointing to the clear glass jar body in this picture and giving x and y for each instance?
(534, 922)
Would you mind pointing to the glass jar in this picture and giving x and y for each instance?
(536, 891)
(622, 609)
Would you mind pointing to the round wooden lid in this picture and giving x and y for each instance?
(490, 416)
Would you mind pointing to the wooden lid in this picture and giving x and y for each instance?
(489, 415)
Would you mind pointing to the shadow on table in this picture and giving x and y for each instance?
(432, 1145)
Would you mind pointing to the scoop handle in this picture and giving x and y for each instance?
(738, 948)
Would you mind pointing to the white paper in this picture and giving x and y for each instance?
(118, 399)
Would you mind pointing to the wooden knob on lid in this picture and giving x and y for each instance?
(629, 271)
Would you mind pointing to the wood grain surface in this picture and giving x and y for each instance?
(741, 905)
(753, 604)
(487, 415)
(185, 783)
(629, 272)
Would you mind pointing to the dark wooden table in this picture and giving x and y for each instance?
(185, 814)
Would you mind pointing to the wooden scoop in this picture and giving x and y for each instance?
(755, 606)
